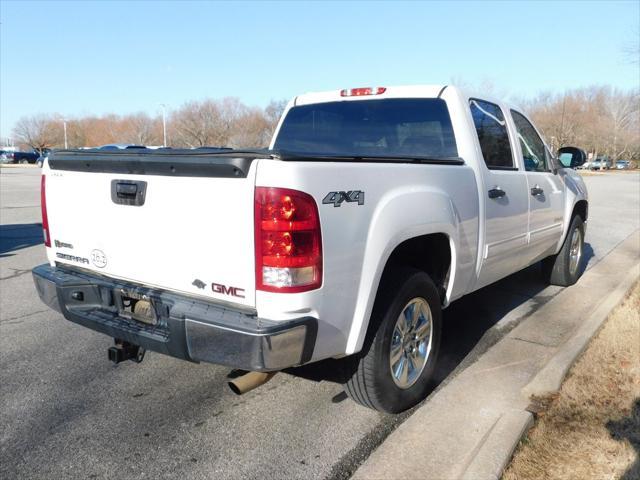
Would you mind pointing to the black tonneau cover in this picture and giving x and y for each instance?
(201, 162)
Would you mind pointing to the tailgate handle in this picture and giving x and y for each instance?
(128, 192)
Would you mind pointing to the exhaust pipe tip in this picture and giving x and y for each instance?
(234, 388)
(247, 382)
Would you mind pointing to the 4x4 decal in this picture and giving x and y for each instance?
(336, 198)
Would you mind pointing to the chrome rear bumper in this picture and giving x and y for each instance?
(186, 328)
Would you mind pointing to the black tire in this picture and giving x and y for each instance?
(369, 379)
(556, 269)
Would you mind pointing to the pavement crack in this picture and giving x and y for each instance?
(6, 320)
(18, 272)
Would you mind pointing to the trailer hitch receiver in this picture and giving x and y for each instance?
(126, 351)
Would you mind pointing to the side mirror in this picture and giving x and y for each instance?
(571, 157)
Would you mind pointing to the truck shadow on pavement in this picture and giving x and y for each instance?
(471, 325)
(19, 235)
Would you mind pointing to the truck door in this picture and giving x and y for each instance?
(546, 191)
(505, 195)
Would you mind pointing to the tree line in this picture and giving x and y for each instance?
(603, 121)
(225, 122)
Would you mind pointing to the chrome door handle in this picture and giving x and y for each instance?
(496, 192)
(535, 191)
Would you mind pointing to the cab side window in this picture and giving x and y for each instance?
(533, 150)
(491, 128)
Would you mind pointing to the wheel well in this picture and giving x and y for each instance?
(581, 208)
(429, 253)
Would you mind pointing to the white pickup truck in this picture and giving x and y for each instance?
(372, 209)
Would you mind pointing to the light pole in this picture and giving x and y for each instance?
(64, 126)
(164, 124)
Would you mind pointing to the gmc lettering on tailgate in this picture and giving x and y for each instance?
(225, 290)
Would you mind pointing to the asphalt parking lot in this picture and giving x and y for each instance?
(67, 412)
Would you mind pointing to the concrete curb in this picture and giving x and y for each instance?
(496, 449)
(549, 379)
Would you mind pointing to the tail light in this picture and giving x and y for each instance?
(358, 92)
(43, 207)
(288, 242)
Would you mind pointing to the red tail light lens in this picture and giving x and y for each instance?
(358, 92)
(288, 241)
(43, 207)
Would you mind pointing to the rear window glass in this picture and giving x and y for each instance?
(420, 127)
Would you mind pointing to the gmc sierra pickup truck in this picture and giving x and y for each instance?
(371, 211)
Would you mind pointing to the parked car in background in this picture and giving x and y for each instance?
(584, 166)
(42, 157)
(6, 156)
(600, 163)
(25, 157)
(120, 146)
(623, 165)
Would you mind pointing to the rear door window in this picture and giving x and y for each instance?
(398, 126)
(493, 136)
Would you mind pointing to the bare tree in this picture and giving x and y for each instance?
(197, 124)
(141, 129)
(274, 111)
(226, 122)
(623, 109)
(39, 131)
(251, 130)
(598, 119)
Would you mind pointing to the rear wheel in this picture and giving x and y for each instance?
(565, 268)
(393, 371)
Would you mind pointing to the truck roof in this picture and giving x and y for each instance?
(398, 91)
(402, 91)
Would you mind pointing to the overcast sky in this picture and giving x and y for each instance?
(77, 58)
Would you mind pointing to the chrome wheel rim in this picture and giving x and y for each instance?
(411, 343)
(575, 251)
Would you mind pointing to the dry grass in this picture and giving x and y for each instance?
(591, 429)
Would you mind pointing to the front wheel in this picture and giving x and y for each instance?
(393, 371)
(565, 268)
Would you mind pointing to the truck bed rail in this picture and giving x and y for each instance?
(214, 162)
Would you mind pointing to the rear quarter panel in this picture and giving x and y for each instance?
(401, 201)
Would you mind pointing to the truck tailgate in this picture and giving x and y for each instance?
(155, 219)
